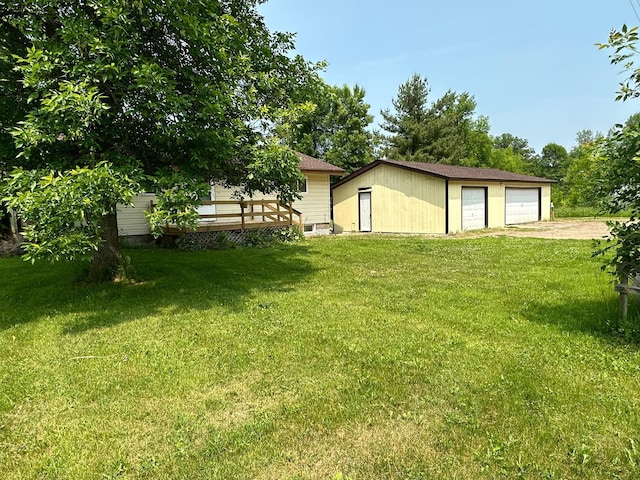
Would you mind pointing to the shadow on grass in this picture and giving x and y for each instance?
(172, 283)
(599, 318)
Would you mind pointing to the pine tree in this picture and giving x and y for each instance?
(439, 133)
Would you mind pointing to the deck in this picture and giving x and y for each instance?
(242, 215)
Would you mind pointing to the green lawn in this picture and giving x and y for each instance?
(342, 357)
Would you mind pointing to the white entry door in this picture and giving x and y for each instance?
(522, 205)
(474, 208)
(364, 199)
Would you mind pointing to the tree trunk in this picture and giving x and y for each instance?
(106, 262)
(13, 223)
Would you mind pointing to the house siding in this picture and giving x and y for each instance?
(221, 193)
(315, 205)
(131, 219)
(401, 202)
(546, 202)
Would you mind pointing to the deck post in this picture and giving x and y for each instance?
(624, 300)
(290, 214)
(242, 204)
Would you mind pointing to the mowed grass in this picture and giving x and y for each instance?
(341, 357)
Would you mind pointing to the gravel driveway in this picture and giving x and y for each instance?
(576, 229)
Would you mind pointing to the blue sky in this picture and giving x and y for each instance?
(531, 65)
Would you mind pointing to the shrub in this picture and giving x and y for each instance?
(264, 237)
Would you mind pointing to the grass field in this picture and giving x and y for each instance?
(586, 212)
(342, 357)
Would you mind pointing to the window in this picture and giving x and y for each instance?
(301, 186)
(208, 196)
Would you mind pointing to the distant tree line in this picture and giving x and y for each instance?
(336, 125)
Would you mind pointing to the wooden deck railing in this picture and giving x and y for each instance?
(249, 214)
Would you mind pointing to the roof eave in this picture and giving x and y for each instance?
(328, 172)
(375, 163)
(357, 173)
(502, 180)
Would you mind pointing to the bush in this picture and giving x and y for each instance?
(264, 237)
(194, 242)
(267, 237)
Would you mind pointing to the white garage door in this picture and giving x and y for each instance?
(474, 208)
(522, 205)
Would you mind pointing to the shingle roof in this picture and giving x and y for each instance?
(452, 172)
(311, 164)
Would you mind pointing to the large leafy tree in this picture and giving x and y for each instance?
(482, 150)
(519, 146)
(553, 162)
(582, 179)
(13, 97)
(440, 132)
(166, 95)
(619, 187)
(334, 126)
(13, 102)
(479, 147)
(511, 153)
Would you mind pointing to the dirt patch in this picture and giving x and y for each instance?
(570, 229)
(10, 245)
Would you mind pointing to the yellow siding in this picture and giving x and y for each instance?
(315, 205)
(496, 202)
(401, 202)
(345, 206)
(131, 220)
(409, 202)
(546, 202)
(222, 193)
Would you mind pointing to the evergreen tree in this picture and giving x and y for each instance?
(437, 133)
(407, 125)
(448, 128)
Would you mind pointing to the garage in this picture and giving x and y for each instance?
(474, 208)
(522, 205)
(434, 198)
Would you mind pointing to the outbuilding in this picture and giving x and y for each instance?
(389, 196)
